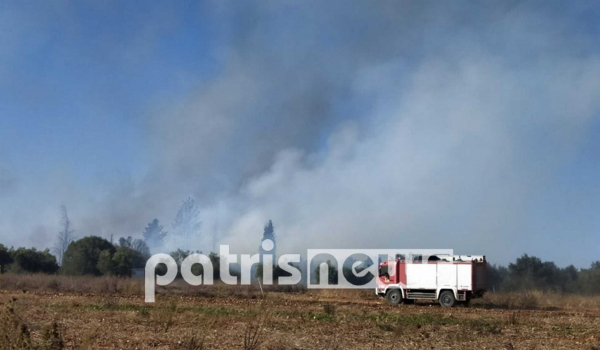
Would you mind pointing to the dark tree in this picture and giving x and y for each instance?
(495, 276)
(215, 259)
(82, 256)
(135, 244)
(105, 263)
(531, 273)
(126, 259)
(154, 234)
(332, 273)
(568, 278)
(268, 233)
(121, 263)
(179, 255)
(589, 279)
(5, 258)
(33, 261)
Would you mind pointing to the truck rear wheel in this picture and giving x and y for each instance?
(447, 298)
(393, 297)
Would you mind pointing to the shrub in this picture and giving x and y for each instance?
(52, 338)
(121, 263)
(253, 336)
(82, 256)
(105, 263)
(329, 308)
(33, 261)
(125, 259)
(15, 333)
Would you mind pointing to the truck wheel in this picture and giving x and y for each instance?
(447, 298)
(393, 297)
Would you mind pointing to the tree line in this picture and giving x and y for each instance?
(531, 273)
(94, 255)
(525, 274)
(97, 256)
(90, 255)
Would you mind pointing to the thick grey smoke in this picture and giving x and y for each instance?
(396, 124)
(374, 124)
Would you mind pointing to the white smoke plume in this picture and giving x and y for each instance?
(384, 124)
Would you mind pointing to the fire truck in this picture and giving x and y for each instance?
(448, 279)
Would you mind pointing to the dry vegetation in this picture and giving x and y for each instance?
(55, 312)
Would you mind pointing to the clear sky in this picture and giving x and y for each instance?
(78, 79)
(395, 123)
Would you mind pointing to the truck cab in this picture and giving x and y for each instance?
(448, 279)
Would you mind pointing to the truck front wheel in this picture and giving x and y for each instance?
(393, 297)
(447, 298)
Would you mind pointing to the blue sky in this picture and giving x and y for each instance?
(79, 80)
(475, 125)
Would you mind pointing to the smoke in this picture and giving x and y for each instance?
(385, 124)
(388, 125)
(450, 166)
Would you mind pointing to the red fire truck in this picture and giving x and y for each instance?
(449, 279)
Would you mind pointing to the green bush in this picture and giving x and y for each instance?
(33, 261)
(82, 256)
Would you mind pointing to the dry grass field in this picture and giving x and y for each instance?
(56, 312)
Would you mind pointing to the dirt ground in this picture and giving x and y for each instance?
(309, 320)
